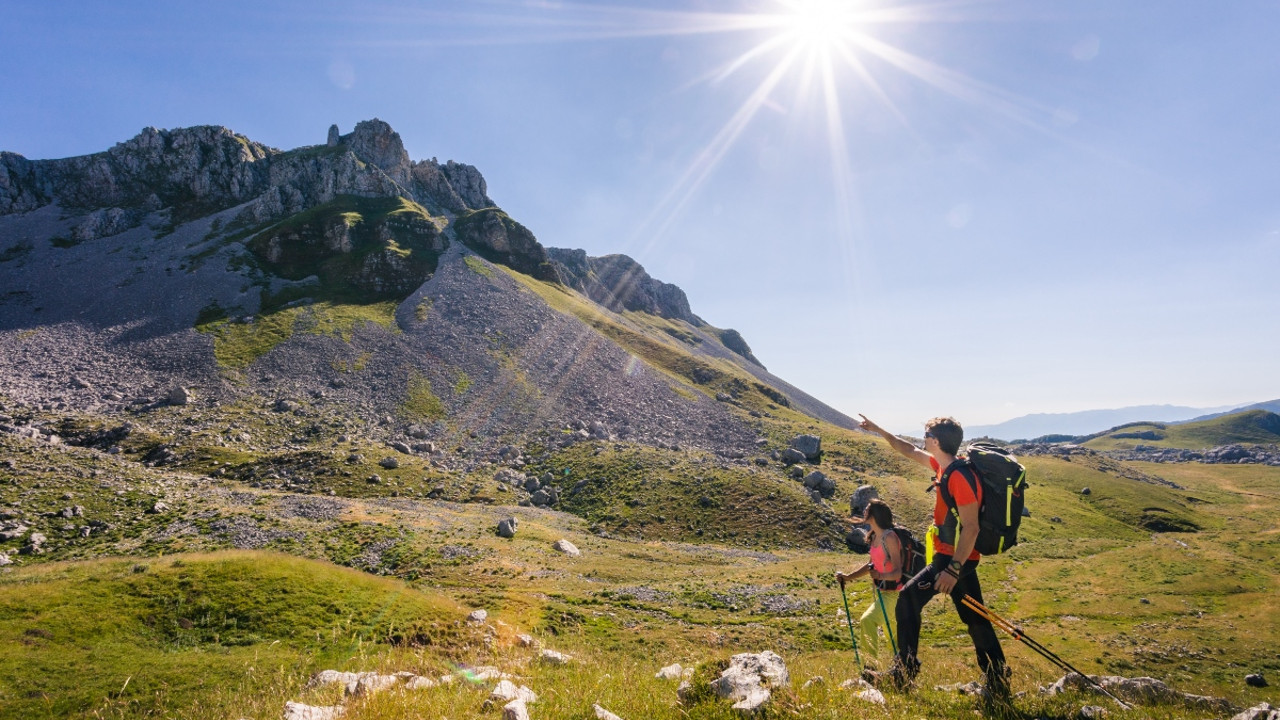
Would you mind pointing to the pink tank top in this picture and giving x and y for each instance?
(879, 561)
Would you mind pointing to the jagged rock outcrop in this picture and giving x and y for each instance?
(455, 186)
(496, 237)
(620, 283)
(733, 340)
(374, 141)
(206, 166)
(197, 171)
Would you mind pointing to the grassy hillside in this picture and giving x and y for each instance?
(177, 635)
(231, 632)
(1250, 427)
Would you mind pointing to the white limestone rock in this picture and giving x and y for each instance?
(298, 711)
(602, 714)
(670, 672)
(506, 691)
(566, 547)
(515, 710)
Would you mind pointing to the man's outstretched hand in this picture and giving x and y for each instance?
(869, 426)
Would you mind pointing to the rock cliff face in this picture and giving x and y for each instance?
(620, 283)
(194, 172)
(174, 227)
(209, 166)
(493, 234)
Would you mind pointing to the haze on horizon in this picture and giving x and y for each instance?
(908, 209)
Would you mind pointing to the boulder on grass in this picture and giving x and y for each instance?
(750, 678)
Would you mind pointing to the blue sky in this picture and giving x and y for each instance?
(1027, 206)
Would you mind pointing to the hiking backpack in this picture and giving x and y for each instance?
(912, 559)
(1004, 485)
(913, 553)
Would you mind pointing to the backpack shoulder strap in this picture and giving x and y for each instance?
(958, 463)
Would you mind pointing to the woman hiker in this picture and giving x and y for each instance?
(885, 568)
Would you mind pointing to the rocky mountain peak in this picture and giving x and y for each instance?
(375, 142)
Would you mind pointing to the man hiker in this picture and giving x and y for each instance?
(885, 568)
(954, 567)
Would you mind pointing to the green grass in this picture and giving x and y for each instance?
(641, 493)
(462, 384)
(667, 350)
(420, 403)
(1099, 585)
(1249, 427)
(196, 635)
(237, 345)
(478, 266)
(359, 249)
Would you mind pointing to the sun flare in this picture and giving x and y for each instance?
(824, 64)
(818, 24)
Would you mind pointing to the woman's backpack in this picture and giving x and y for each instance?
(913, 552)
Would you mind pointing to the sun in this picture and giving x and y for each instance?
(824, 64)
(818, 25)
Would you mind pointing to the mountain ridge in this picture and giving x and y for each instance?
(201, 258)
(1085, 422)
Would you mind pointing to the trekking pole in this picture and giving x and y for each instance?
(888, 627)
(1044, 652)
(849, 618)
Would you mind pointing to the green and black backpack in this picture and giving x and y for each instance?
(1004, 490)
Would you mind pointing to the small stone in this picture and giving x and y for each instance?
(331, 677)
(507, 527)
(871, 695)
(525, 640)
(158, 508)
(566, 547)
(478, 616)
(389, 463)
(419, 682)
(507, 691)
(515, 710)
(1092, 712)
(1262, 711)
(298, 711)
(670, 672)
(178, 396)
(370, 683)
(551, 657)
(602, 714)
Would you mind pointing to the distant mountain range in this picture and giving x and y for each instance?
(1088, 422)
